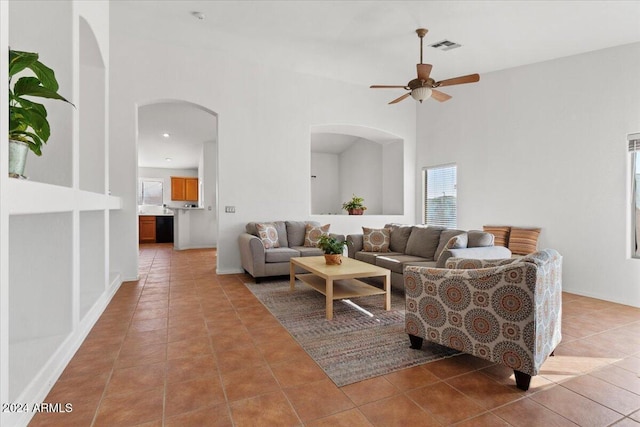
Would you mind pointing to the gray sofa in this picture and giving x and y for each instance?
(260, 262)
(425, 246)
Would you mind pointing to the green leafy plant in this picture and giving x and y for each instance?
(27, 119)
(331, 245)
(355, 203)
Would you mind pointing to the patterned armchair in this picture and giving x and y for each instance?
(506, 311)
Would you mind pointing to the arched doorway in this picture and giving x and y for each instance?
(177, 145)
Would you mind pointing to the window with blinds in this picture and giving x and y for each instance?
(440, 196)
(150, 192)
(634, 150)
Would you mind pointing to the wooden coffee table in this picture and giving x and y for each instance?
(340, 281)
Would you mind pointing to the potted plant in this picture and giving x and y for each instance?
(355, 206)
(28, 124)
(332, 249)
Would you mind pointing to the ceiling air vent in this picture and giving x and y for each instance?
(445, 45)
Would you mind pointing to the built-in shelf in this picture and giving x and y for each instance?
(25, 197)
(56, 271)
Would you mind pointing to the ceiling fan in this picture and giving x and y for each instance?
(424, 86)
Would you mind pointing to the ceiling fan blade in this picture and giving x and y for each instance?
(386, 87)
(440, 96)
(400, 98)
(424, 70)
(471, 78)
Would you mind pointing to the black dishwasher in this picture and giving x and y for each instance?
(164, 229)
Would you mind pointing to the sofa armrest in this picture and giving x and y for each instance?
(252, 254)
(480, 253)
(354, 244)
(338, 237)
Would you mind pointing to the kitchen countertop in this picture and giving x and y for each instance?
(182, 208)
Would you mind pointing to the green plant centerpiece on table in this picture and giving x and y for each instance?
(332, 248)
(28, 124)
(355, 206)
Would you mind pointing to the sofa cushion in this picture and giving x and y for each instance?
(523, 241)
(445, 236)
(429, 264)
(500, 233)
(308, 251)
(296, 230)
(268, 234)
(399, 236)
(396, 263)
(423, 241)
(375, 239)
(312, 234)
(280, 254)
(370, 257)
(479, 239)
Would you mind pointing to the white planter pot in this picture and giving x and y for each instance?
(18, 151)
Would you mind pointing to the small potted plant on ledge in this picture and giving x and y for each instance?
(355, 206)
(28, 124)
(332, 249)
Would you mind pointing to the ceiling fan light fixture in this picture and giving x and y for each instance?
(421, 93)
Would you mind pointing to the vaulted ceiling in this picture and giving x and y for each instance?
(374, 42)
(369, 42)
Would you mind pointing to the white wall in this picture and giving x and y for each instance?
(263, 133)
(360, 174)
(545, 145)
(325, 179)
(393, 178)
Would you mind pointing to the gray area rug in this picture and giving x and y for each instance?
(362, 341)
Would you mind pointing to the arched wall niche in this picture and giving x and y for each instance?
(352, 159)
(92, 112)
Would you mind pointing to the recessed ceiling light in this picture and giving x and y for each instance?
(168, 159)
(166, 135)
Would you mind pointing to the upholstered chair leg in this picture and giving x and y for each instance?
(416, 342)
(522, 380)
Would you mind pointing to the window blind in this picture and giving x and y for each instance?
(441, 196)
(634, 141)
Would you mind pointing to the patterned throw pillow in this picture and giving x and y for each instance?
(458, 242)
(376, 239)
(523, 241)
(312, 234)
(500, 232)
(268, 234)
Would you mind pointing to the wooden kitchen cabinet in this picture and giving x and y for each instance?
(191, 189)
(146, 229)
(184, 188)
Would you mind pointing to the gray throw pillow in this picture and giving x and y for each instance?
(281, 228)
(296, 231)
(423, 241)
(399, 237)
(479, 239)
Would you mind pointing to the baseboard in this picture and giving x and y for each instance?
(230, 271)
(598, 296)
(186, 248)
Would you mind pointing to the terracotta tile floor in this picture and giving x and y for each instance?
(185, 347)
